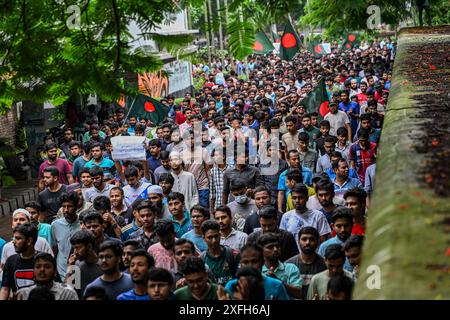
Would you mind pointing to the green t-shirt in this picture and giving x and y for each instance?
(185, 293)
(222, 267)
(87, 136)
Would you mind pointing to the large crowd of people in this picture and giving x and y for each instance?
(244, 194)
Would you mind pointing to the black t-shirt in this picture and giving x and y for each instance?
(18, 273)
(50, 202)
(307, 271)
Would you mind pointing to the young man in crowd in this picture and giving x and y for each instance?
(184, 182)
(136, 189)
(199, 214)
(37, 215)
(162, 251)
(61, 165)
(146, 235)
(229, 236)
(243, 206)
(49, 198)
(180, 216)
(355, 199)
(108, 166)
(353, 251)
(99, 188)
(159, 284)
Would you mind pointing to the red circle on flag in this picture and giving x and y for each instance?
(318, 49)
(258, 46)
(149, 107)
(288, 41)
(348, 45)
(351, 37)
(277, 41)
(324, 109)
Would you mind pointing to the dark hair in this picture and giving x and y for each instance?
(342, 213)
(255, 282)
(33, 204)
(202, 210)
(167, 177)
(92, 216)
(132, 242)
(147, 204)
(46, 257)
(303, 136)
(84, 237)
(50, 146)
(175, 196)
(340, 284)
(94, 291)
(268, 212)
(95, 144)
(335, 164)
(290, 152)
(141, 252)
(359, 193)
(290, 119)
(70, 197)
(261, 189)
(295, 174)
(52, 170)
(329, 139)
(136, 203)
(334, 252)
(267, 238)
(28, 230)
(325, 185)
(84, 170)
(115, 246)
(309, 230)
(191, 265)
(363, 133)
(181, 241)
(160, 274)
(102, 203)
(41, 293)
(75, 143)
(365, 116)
(342, 131)
(131, 171)
(254, 247)
(225, 209)
(300, 188)
(237, 184)
(164, 155)
(325, 123)
(354, 241)
(117, 188)
(155, 142)
(209, 225)
(164, 227)
(96, 171)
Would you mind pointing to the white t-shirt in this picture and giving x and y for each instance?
(336, 121)
(132, 194)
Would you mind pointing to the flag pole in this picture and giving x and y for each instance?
(131, 107)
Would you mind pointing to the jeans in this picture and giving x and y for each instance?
(203, 198)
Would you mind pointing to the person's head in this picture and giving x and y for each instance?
(69, 205)
(270, 242)
(342, 222)
(35, 210)
(85, 177)
(132, 175)
(165, 231)
(211, 233)
(110, 256)
(159, 283)
(164, 157)
(294, 158)
(52, 151)
(262, 197)
(95, 293)
(372, 106)
(183, 248)
(44, 268)
(132, 120)
(325, 127)
(83, 244)
(355, 199)
(328, 145)
(198, 215)
(175, 160)
(339, 288)
(96, 151)
(68, 134)
(50, 176)
(303, 140)
(238, 190)
(308, 239)
(252, 256)
(325, 192)
(97, 177)
(102, 204)
(291, 124)
(250, 284)
(129, 247)
(194, 271)
(342, 135)
(365, 120)
(147, 213)
(333, 107)
(176, 203)
(166, 130)
(94, 132)
(166, 181)
(41, 293)
(116, 197)
(75, 148)
(334, 260)
(223, 216)
(24, 237)
(299, 196)
(340, 168)
(94, 222)
(293, 177)
(155, 147)
(363, 138)
(20, 216)
(353, 249)
(306, 121)
(140, 264)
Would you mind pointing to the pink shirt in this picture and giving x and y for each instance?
(163, 258)
(60, 164)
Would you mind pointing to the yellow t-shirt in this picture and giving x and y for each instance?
(290, 205)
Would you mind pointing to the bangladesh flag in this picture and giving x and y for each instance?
(317, 101)
(145, 107)
(290, 43)
(317, 49)
(350, 41)
(262, 44)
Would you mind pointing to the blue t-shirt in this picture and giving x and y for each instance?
(77, 166)
(44, 231)
(354, 107)
(2, 244)
(115, 288)
(184, 227)
(198, 240)
(107, 165)
(307, 178)
(131, 295)
(274, 288)
(351, 173)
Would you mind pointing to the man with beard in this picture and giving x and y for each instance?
(107, 165)
(228, 235)
(94, 222)
(85, 258)
(146, 235)
(324, 161)
(262, 198)
(342, 225)
(308, 261)
(163, 251)
(118, 205)
(184, 182)
(68, 139)
(79, 163)
(164, 167)
(113, 223)
(18, 269)
(156, 196)
(113, 281)
(352, 248)
(64, 228)
(136, 189)
(141, 263)
(99, 188)
(166, 136)
(343, 182)
(325, 194)
(337, 119)
(49, 198)
(44, 273)
(288, 273)
(62, 166)
(166, 182)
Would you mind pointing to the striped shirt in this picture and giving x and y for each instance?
(216, 184)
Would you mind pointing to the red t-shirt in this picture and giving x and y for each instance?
(60, 164)
(358, 229)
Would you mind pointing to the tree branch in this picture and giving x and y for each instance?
(117, 30)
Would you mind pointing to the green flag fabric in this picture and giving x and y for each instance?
(276, 37)
(317, 49)
(262, 44)
(350, 41)
(317, 101)
(145, 107)
(290, 43)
